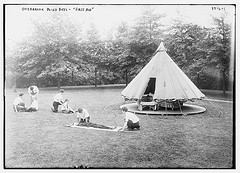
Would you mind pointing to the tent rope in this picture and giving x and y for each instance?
(216, 108)
(205, 106)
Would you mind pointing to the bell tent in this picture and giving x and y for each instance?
(162, 78)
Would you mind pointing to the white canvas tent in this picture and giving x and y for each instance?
(164, 79)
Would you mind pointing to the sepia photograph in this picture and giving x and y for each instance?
(119, 86)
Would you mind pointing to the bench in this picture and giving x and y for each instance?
(151, 105)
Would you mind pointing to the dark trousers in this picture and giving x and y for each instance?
(20, 107)
(85, 120)
(31, 110)
(55, 106)
(131, 125)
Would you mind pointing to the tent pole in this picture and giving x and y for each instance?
(180, 107)
(166, 107)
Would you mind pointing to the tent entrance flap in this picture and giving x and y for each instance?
(151, 86)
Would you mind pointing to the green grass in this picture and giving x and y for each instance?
(40, 139)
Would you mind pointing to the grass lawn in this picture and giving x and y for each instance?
(41, 140)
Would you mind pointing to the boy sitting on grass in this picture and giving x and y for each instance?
(131, 121)
(18, 104)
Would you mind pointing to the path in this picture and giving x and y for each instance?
(224, 101)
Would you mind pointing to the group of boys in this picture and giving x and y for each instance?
(20, 106)
(131, 121)
(82, 114)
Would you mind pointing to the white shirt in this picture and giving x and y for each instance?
(58, 97)
(84, 114)
(65, 106)
(17, 101)
(132, 117)
(35, 90)
(34, 104)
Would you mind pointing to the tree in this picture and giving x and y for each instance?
(144, 38)
(185, 44)
(127, 55)
(92, 50)
(52, 51)
(121, 47)
(118, 55)
(220, 50)
(148, 27)
(201, 51)
(11, 74)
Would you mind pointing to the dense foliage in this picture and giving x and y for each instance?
(60, 53)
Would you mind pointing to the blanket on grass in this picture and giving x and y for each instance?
(94, 126)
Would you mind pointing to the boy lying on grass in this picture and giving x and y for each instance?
(66, 108)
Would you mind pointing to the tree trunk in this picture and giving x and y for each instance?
(72, 79)
(95, 76)
(37, 82)
(14, 87)
(224, 83)
(59, 82)
(224, 71)
(198, 80)
(126, 77)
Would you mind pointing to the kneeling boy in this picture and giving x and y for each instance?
(83, 115)
(131, 120)
(18, 104)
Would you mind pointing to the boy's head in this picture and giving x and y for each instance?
(31, 87)
(20, 95)
(80, 110)
(66, 100)
(61, 91)
(124, 109)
